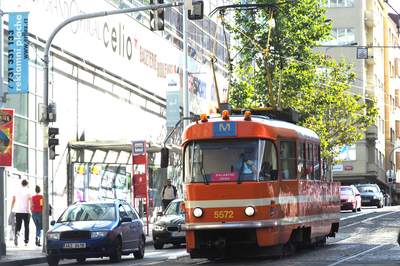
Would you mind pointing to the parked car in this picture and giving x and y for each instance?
(167, 230)
(371, 195)
(350, 198)
(96, 229)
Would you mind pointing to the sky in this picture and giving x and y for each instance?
(395, 4)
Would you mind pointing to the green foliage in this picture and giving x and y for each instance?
(317, 88)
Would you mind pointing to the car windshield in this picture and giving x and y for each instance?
(174, 208)
(89, 212)
(368, 189)
(346, 191)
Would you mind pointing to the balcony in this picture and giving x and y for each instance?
(372, 169)
(371, 133)
(371, 60)
(369, 19)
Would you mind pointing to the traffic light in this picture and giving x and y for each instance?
(197, 12)
(157, 16)
(53, 142)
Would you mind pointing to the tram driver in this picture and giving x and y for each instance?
(247, 163)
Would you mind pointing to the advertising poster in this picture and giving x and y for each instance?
(18, 53)
(6, 137)
(94, 183)
(79, 183)
(107, 182)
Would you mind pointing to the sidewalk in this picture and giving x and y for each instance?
(31, 254)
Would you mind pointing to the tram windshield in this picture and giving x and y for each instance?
(237, 160)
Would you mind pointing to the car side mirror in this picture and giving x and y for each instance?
(159, 213)
(126, 219)
(53, 222)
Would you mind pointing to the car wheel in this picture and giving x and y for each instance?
(81, 259)
(116, 255)
(379, 205)
(355, 209)
(52, 261)
(140, 254)
(158, 246)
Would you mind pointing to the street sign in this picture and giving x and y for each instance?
(138, 147)
(390, 174)
(362, 53)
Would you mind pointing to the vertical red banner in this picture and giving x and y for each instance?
(6, 137)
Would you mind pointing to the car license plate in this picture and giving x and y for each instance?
(75, 245)
(365, 200)
(175, 234)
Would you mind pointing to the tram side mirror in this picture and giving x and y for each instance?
(164, 157)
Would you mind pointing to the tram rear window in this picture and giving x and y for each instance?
(229, 160)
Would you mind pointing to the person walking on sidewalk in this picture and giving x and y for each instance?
(37, 209)
(168, 193)
(20, 206)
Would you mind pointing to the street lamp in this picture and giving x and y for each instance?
(347, 45)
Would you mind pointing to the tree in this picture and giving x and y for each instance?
(317, 88)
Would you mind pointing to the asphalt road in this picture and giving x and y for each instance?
(368, 237)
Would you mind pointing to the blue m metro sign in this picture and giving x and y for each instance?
(224, 129)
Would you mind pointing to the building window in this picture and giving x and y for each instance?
(336, 3)
(348, 153)
(341, 37)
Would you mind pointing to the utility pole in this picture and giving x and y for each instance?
(46, 90)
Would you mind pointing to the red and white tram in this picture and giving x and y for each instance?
(255, 186)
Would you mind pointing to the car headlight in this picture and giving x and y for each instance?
(158, 228)
(198, 212)
(249, 211)
(53, 236)
(98, 234)
(375, 197)
(349, 200)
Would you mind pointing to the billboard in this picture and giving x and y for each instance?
(6, 137)
(18, 52)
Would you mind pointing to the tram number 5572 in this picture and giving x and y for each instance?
(223, 214)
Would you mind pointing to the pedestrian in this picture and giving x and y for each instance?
(20, 206)
(168, 193)
(37, 209)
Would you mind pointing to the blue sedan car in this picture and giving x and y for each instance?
(95, 230)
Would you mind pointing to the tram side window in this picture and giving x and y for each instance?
(310, 169)
(317, 162)
(269, 161)
(301, 167)
(187, 167)
(288, 160)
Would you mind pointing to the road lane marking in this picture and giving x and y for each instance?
(340, 261)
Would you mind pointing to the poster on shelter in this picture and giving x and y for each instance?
(6, 137)
(18, 52)
(79, 183)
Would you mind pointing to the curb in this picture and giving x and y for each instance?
(38, 260)
(23, 261)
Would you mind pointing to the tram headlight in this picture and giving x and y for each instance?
(249, 211)
(198, 212)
